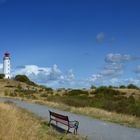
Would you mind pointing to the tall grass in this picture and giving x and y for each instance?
(17, 124)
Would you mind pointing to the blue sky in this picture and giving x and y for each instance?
(72, 43)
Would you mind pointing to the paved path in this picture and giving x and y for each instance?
(92, 128)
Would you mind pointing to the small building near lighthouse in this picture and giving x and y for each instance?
(6, 66)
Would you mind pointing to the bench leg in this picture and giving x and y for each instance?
(50, 122)
(68, 130)
(75, 130)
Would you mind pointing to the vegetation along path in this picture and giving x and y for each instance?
(92, 128)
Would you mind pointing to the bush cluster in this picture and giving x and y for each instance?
(2, 76)
(25, 79)
(130, 86)
(104, 98)
(76, 92)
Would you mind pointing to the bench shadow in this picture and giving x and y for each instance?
(59, 129)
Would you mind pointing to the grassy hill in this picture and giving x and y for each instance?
(121, 105)
(9, 86)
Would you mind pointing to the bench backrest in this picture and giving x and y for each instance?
(59, 116)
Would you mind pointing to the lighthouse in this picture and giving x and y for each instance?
(6, 65)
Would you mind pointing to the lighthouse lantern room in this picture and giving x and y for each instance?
(6, 65)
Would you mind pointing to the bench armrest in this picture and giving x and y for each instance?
(76, 123)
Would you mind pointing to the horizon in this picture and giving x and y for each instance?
(72, 44)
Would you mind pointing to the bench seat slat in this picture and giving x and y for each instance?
(64, 122)
(59, 116)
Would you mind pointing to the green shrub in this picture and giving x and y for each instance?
(104, 98)
(25, 79)
(76, 101)
(110, 86)
(105, 91)
(137, 109)
(2, 76)
(43, 95)
(44, 88)
(76, 92)
(122, 86)
(132, 86)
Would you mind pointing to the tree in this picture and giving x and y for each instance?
(132, 86)
(122, 86)
(2, 76)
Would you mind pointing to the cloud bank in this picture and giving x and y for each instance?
(110, 74)
(51, 76)
(119, 58)
(113, 70)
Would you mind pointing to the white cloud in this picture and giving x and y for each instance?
(51, 76)
(115, 63)
(114, 81)
(100, 37)
(54, 77)
(127, 81)
(96, 79)
(119, 58)
(115, 66)
(113, 70)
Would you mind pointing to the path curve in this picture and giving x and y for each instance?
(92, 128)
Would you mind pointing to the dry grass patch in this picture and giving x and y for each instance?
(127, 120)
(18, 124)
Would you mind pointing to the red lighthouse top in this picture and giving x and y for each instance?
(7, 53)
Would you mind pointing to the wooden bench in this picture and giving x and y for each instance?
(58, 118)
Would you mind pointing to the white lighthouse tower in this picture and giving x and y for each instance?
(6, 65)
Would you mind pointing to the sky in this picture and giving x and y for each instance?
(72, 43)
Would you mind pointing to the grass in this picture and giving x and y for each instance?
(18, 124)
(111, 104)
